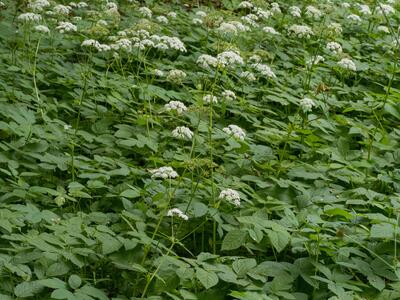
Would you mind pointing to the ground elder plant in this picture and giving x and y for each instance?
(199, 150)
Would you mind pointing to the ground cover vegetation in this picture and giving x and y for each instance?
(199, 150)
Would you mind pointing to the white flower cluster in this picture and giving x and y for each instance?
(263, 14)
(307, 104)
(162, 19)
(42, 29)
(275, 8)
(301, 31)
(95, 44)
(122, 44)
(255, 58)
(295, 11)
(172, 15)
(163, 172)
(313, 12)
(176, 75)
(235, 131)
(197, 21)
(247, 75)
(347, 64)
(29, 17)
(345, 4)
(62, 9)
(245, 4)
(230, 195)
(364, 9)
(38, 5)
(228, 95)
(177, 106)
(250, 19)
(335, 28)
(201, 14)
(315, 60)
(334, 47)
(232, 28)
(229, 58)
(210, 99)
(270, 30)
(354, 18)
(264, 70)
(385, 9)
(382, 28)
(145, 12)
(183, 133)
(177, 212)
(66, 27)
(207, 61)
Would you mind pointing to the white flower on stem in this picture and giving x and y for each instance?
(229, 58)
(176, 75)
(295, 11)
(66, 27)
(177, 106)
(122, 44)
(315, 60)
(264, 70)
(247, 75)
(42, 29)
(301, 31)
(231, 196)
(207, 61)
(197, 21)
(354, 18)
(164, 173)
(172, 15)
(245, 4)
(38, 5)
(145, 12)
(210, 99)
(228, 95)
(82, 4)
(336, 28)
(364, 9)
(275, 8)
(307, 104)
(347, 64)
(384, 29)
(183, 133)
(162, 19)
(334, 47)
(255, 58)
(345, 5)
(178, 213)
(67, 127)
(227, 29)
(385, 9)
(201, 14)
(234, 130)
(270, 30)
(62, 9)
(313, 12)
(29, 17)
(159, 73)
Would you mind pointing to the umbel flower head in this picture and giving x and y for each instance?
(228, 95)
(210, 99)
(334, 47)
(347, 64)
(177, 106)
(177, 212)
(164, 173)
(307, 104)
(231, 196)
(234, 130)
(182, 133)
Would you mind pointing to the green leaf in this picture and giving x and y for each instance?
(242, 266)
(382, 231)
(93, 292)
(74, 281)
(376, 281)
(53, 283)
(207, 278)
(62, 294)
(130, 193)
(234, 239)
(27, 289)
(279, 239)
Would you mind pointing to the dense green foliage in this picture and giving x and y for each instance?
(315, 159)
